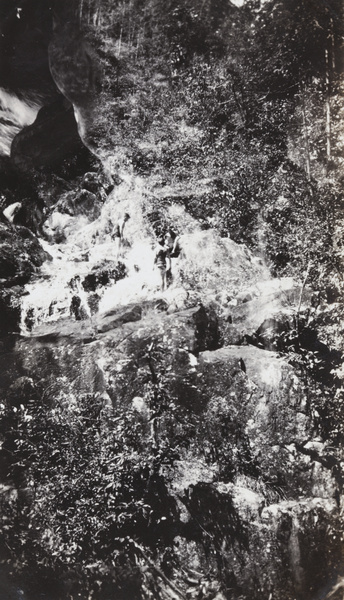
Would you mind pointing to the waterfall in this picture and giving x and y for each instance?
(48, 297)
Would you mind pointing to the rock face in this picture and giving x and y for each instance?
(75, 68)
(20, 255)
(26, 32)
(233, 473)
(81, 202)
(253, 478)
(264, 313)
(51, 140)
(51, 144)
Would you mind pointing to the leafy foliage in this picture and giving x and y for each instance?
(221, 111)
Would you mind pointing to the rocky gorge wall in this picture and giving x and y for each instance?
(184, 444)
(240, 489)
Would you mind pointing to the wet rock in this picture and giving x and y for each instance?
(77, 310)
(96, 184)
(93, 301)
(91, 182)
(81, 202)
(159, 305)
(10, 309)
(117, 318)
(29, 319)
(31, 215)
(264, 318)
(101, 276)
(20, 254)
(59, 225)
(69, 331)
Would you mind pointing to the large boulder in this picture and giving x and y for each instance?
(80, 202)
(51, 141)
(75, 68)
(115, 319)
(102, 275)
(122, 340)
(273, 419)
(20, 254)
(60, 225)
(264, 312)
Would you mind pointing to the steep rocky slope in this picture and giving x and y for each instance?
(240, 489)
(185, 444)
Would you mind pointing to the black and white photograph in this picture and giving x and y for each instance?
(171, 300)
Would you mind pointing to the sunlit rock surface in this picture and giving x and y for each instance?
(265, 312)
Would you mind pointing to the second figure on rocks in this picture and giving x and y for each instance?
(117, 234)
(162, 261)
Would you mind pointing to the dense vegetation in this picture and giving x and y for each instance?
(234, 113)
(246, 100)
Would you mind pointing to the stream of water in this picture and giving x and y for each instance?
(49, 295)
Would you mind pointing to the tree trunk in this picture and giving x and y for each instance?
(328, 106)
(137, 46)
(120, 44)
(80, 10)
(305, 131)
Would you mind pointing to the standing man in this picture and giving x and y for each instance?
(162, 257)
(172, 240)
(117, 234)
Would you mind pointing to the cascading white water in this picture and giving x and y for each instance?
(49, 295)
(88, 247)
(211, 262)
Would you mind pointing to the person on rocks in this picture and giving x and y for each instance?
(78, 306)
(117, 234)
(172, 240)
(162, 258)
